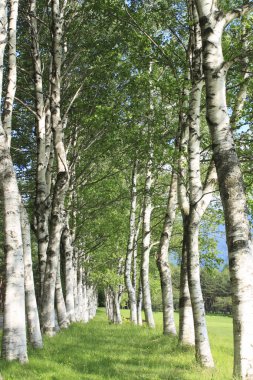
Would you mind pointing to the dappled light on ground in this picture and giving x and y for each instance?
(99, 350)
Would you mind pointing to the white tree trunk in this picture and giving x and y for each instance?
(14, 325)
(230, 183)
(202, 346)
(33, 323)
(12, 69)
(60, 303)
(146, 243)
(139, 304)
(85, 312)
(3, 40)
(186, 324)
(162, 259)
(81, 294)
(61, 185)
(43, 136)
(109, 304)
(130, 249)
(117, 319)
(69, 273)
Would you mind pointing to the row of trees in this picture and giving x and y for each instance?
(109, 105)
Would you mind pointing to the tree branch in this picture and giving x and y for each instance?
(238, 12)
(26, 106)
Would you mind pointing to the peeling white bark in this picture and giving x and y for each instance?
(230, 181)
(14, 325)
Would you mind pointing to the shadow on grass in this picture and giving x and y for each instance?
(98, 350)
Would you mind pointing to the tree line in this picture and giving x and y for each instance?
(125, 138)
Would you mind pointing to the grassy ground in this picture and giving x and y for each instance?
(102, 351)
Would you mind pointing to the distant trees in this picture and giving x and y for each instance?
(105, 152)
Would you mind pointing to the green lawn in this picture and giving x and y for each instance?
(98, 350)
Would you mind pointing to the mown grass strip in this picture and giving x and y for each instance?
(99, 351)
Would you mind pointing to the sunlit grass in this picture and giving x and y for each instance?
(99, 350)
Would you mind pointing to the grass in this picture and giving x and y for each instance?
(97, 351)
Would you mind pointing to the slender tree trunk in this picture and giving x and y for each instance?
(186, 324)
(130, 249)
(75, 281)
(202, 346)
(81, 296)
(139, 304)
(147, 210)
(61, 185)
(117, 319)
(135, 252)
(69, 272)
(241, 95)
(33, 323)
(3, 40)
(43, 135)
(85, 313)
(12, 69)
(59, 301)
(109, 303)
(230, 183)
(94, 301)
(162, 260)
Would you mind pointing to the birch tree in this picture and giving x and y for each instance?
(146, 243)
(131, 248)
(186, 325)
(199, 198)
(213, 21)
(62, 179)
(43, 134)
(169, 326)
(14, 328)
(33, 323)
